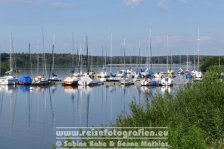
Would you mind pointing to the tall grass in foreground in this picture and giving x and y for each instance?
(195, 115)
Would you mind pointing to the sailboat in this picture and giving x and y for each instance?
(112, 79)
(187, 72)
(149, 79)
(9, 79)
(167, 80)
(86, 80)
(26, 80)
(125, 80)
(197, 76)
(180, 70)
(53, 78)
(103, 75)
(40, 79)
(72, 79)
(170, 72)
(138, 76)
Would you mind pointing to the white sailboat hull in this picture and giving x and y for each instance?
(86, 80)
(8, 80)
(40, 80)
(166, 81)
(71, 80)
(197, 76)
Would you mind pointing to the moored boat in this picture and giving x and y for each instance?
(166, 81)
(25, 80)
(40, 80)
(8, 80)
(54, 79)
(71, 81)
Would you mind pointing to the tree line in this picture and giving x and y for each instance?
(62, 60)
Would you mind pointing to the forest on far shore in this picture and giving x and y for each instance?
(22, 60)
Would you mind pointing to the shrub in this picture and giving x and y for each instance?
(194, 115)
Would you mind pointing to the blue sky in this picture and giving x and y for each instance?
(126, 19)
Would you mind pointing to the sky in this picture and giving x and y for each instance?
(126, 20)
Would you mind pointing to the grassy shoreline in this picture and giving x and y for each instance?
(195, 115)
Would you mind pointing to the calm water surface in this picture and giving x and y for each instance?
(28, 118)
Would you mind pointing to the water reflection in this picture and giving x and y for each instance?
(1, 104)
(34, 112)
(8, 89)
(24, 88)
(29, 103)
(147, 90)
(166, 89)
(51, 97)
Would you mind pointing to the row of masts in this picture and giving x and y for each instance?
(79, 55)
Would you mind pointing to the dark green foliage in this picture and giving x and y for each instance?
(208, 62)
(4, 67)
(62, 60)
(195, 115)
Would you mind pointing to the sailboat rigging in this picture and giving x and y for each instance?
(9, 79)
(26, 79)
(54, 79)
(40, 79)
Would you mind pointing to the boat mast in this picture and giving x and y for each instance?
(10, 54)
(52, 63)
(105, 59)
(102, 58)
(148, 57)
(198, 45)
(139, 48)
(180, 60)
(53, 53)
(121, 60)
(80, 57)
(97, 61)
(87, 55)
(171, 60)
(77, 58)
(187, 61)
(90, 61)
(167, 48)
(150, 48)
(73, 49)
(44, 58)
(111, 48)
(124, 55)
(31, 72)
(194, 58)
(13, 57)
(130, 59)
(37, 64)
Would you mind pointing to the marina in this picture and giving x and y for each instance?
(34, 112)
(111, 74)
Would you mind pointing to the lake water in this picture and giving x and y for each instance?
(28, 118)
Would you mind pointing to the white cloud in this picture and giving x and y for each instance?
(132, 2)
(61, 5)
(162, 5)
